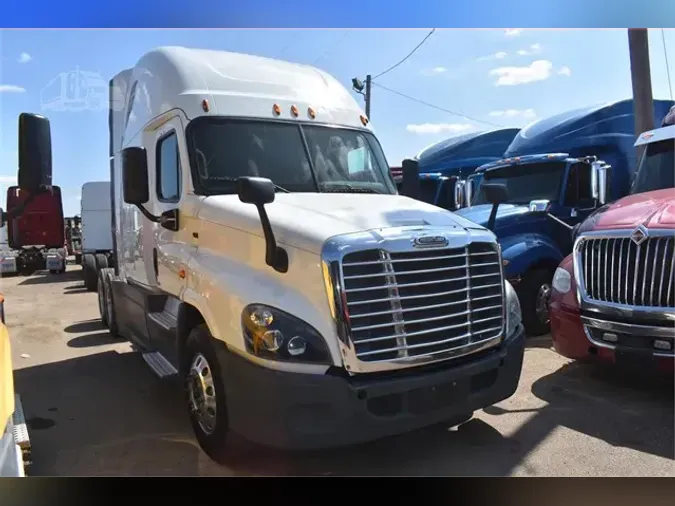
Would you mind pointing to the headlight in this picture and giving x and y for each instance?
(562, 281)
(513, 313)
(272, 334)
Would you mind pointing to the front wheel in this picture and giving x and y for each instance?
(534, 293)
(205, 393)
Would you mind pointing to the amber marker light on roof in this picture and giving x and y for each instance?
(205, 105)
(276, 109)
(364, 120)
(311, 112)
(294, 111)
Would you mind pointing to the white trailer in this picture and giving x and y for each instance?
(97, 241)
(263, 255)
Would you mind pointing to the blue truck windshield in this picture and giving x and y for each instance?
(525, 183)
(296, 157)
(657, 168)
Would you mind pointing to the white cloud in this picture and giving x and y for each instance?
(514, 113)
(435, 71)
(496, 56)
(533, 49)
(538, 70)
(11, 88)
(24, 58)
(437, 128)
(512, 32)
(565, 71)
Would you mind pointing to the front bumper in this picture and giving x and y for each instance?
(583, 337)
(303, 411)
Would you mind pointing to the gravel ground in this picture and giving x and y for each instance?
(94, 408)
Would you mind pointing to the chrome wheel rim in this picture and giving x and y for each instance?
(543, 297)
(202, 393)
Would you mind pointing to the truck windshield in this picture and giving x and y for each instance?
(296, 157)
(525, 183)
(657, 168)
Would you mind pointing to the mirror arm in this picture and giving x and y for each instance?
(148, 215)
(275, 256)
(569, 227)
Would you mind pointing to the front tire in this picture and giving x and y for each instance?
(534, 294)
(204, 392)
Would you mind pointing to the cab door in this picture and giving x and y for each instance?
(169, 181)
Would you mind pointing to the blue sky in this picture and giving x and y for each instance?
(502, 77)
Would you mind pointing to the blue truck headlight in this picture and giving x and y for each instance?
(513, 314)
(273, 334)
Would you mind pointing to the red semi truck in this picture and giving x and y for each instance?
(613, 298)
(36, 237)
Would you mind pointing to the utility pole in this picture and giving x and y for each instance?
(643, 101)
(367, 96)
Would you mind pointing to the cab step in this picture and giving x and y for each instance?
(160, 365)
(20, 433)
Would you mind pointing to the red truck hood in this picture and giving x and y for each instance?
(652, 209)
(40, 224)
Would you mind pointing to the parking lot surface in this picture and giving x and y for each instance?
(94, 408)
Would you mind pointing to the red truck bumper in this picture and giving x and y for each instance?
(574, 338)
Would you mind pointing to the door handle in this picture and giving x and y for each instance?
(155, 261)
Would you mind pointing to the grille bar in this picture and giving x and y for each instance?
(421, 303)
(617, 270)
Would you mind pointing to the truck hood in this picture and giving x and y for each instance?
(652, 209)
(481, 213)
(307, 220)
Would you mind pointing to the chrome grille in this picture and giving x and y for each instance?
(423, 302)
(616, 270)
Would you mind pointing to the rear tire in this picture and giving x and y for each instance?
(534, 292)
(106, 302)
(89, 273)
(101, 261)
(204, 393)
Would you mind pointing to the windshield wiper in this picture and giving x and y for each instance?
(235, 179)
(347, 188)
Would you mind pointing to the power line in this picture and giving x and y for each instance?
(333, 46)
(665, 53)
(436, 106)
(408, 56)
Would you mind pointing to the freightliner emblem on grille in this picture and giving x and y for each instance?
(430, 241)
(639, 235)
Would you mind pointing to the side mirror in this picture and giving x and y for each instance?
(468, 192)
(599, 181)
(495, 194)
(260, 191)
(135, 183)
(410, 184)
(459, 194)
(540, 206)
(255, 190)
(35, 153)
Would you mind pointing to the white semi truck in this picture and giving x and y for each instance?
(264, 256)
(97, 242)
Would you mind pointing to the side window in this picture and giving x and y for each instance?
(578, 191)
(168, 169)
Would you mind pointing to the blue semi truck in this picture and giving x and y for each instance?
(440, 165)
(566, 160)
